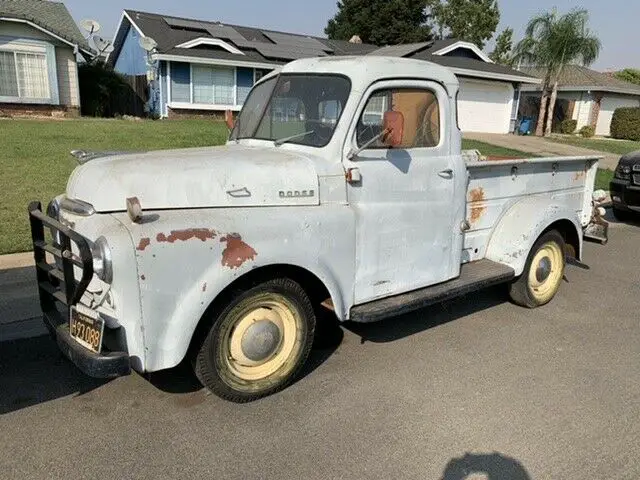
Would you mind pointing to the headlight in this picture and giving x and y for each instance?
(623, 172)
(102, 265)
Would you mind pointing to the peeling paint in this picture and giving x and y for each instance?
(476, 195)
(578, 176)
(236, 252)
(142, 277)
(144, 243)
(381, 282)
(202, 234)
(204, 287)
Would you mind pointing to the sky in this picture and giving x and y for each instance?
(614, 21)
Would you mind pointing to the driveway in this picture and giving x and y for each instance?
(541, 146)
(473, 385)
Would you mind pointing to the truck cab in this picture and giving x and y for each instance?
(342, 187)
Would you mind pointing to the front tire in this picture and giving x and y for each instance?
(542, 274)
(258, 343)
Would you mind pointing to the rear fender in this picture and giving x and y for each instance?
(524, 222)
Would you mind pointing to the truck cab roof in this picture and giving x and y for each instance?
(365, 70)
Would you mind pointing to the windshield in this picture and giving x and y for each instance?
(301, 109)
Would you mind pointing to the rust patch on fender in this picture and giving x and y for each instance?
(236, 252)
(142, 277)
(204, 287)
(144, 243)
(476, 195)
(578, 176)
(202, 234)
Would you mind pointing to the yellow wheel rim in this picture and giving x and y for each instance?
(545, 272)
(261, 340)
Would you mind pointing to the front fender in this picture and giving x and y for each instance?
(520, 227)
(187, 257)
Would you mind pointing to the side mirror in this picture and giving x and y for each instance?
(393, 124)
(228, 119)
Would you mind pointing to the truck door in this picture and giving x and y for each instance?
(404, 198)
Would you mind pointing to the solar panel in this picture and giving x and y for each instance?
(296, 40)
(225, 32)
(287, 52)
(399, 50)
(180, 23)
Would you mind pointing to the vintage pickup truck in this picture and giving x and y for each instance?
(342, 187)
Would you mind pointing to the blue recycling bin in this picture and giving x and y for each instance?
(525, 126)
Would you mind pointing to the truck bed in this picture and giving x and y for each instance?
(495, 185)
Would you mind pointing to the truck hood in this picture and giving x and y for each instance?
(226, 176)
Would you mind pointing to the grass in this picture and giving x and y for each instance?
(35, 161)
(619, 147)
(603, 177)
(493, 150)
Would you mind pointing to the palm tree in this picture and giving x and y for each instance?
(552, 42)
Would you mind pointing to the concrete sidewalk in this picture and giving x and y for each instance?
(542, 146)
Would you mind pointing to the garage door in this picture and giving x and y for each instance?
(484, 106)
(608, 106)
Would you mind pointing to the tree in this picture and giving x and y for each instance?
(502, 53)
(380, 22)
(552, 42)
(474, 21)
(628, 75)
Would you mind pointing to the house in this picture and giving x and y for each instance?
(205, 67)
(39, 44)
(584, 95)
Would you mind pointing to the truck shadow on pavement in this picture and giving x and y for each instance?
(33, 371)
(493, 466)
(392, 329)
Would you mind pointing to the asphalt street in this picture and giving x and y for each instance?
(476, 388)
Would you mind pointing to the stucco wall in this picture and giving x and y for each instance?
(63, 60)
(67, 70)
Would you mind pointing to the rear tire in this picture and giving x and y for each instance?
(258, 343)
(542, 274)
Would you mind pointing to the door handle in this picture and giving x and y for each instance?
(447, 173)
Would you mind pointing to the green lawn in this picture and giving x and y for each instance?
(493, 150)
(619, 147)
(35, 161)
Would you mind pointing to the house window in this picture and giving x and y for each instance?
(213, 85)
(244, 80)
(180, 82)
(24, 75)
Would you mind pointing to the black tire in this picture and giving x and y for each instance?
(621, 215)
(521, 291)
(214, 365)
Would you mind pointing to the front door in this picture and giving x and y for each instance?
(404, 203)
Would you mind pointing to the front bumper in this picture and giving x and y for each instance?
(59, 290)
(102, 365)
(625, 195)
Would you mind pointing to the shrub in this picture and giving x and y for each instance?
(568, 126)
(625, 124)
(587, 131)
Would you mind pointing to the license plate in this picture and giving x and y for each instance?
(86, 329)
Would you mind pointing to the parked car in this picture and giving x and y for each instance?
(225, 254)
(625, 187)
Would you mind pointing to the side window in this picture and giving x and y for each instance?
(418, 107)
(329, 111)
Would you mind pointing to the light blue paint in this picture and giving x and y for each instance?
(132, 59)
(50, 53)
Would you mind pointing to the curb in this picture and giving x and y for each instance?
(16, 260)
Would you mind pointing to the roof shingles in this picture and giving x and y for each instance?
(52, 16)
(575, 77)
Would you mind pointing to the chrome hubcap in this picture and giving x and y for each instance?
(544, 269)
(260, 340)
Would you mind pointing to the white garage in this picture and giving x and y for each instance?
(608, 105)
(485, 106)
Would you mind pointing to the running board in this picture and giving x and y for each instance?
(473, 276)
